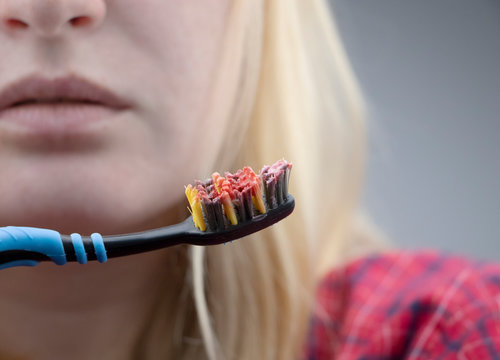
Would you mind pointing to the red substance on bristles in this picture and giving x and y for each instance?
(276, 169)
(243, 178)
(230, 185)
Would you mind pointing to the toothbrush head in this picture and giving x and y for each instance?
(218, 203)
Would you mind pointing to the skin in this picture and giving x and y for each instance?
(159, 55)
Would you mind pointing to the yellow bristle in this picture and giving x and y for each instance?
(215, 177)
(229, 209)
(257, 200)
(195, 204)
(198, 216)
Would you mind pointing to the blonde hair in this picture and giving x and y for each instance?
(297, 98)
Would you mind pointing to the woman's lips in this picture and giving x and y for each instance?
(58, 127)
(35, 109)
(54, 118)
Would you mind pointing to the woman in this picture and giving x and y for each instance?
(178, 90)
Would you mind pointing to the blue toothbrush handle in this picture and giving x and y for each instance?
(27, 246)
(15, 241)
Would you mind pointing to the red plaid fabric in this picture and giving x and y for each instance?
(405, 305)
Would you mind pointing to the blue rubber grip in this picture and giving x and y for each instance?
(81, 255)
(100, 250)
(44, 241)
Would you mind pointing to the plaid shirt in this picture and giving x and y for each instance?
(404, 305)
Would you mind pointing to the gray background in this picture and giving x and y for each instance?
(430, 71)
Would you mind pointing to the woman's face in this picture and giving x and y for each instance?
(86, 167)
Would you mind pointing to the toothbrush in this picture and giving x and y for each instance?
(222, 209)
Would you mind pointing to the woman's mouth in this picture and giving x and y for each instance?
(45, 118)
(56, 110)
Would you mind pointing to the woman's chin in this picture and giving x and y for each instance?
(69, 222)
(86, 220)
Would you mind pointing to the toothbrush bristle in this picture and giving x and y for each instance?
(221, 201)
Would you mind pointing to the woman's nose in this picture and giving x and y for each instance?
(49, 18)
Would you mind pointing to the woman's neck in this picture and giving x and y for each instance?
(91, 311)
